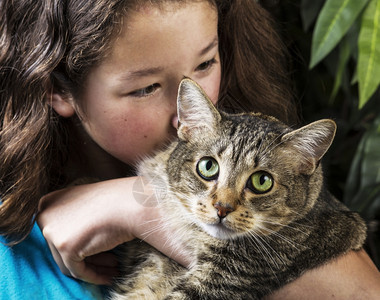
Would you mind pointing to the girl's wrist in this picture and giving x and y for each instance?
(134, 216)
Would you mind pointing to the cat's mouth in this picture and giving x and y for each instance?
(220, 231)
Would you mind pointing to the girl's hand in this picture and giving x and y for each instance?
(81, 223)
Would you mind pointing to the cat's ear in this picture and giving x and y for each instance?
(308, 144)
(196, 113)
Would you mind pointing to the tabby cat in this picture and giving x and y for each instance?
(245, 197)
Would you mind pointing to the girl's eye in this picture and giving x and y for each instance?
(147, 91)
(260, 182)
(206, 65)
(208, 168)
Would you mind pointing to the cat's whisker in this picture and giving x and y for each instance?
(296, 212)
(180, 233)
(162, 226)
(151, 221)
(159, 226)
(181, 230)
(151, 231)
(301, 216)
(263, 238)
(259, 242)
(301, 225)
(271, 222)
(282, 237)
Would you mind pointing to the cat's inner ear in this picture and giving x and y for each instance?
(196, 113)
(307, 145)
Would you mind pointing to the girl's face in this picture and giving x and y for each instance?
(129, 99)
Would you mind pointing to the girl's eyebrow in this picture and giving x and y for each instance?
(141, 73)
(210, 46)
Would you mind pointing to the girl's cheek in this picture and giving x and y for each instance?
(213, 92)
(213, 85)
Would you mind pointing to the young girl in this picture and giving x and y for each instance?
(89, 87)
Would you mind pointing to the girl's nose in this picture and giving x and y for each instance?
(173, 97)
(175, 121)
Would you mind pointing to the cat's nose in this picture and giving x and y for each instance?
(223, 209)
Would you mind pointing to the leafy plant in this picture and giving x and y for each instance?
(333, 23)
(355, 27)
(336, 50)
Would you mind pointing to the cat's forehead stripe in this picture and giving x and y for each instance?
(237, 149)
(222, 149)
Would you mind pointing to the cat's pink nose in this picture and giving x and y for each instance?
(223, 209)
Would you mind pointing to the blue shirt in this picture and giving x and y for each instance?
(28, 271)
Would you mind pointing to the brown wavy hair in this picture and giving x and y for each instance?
(54, 44)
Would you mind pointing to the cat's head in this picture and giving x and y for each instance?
(243, 174)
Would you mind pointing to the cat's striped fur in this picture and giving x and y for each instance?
(247, 240)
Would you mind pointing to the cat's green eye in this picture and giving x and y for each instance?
(260, 182)
(208, 168)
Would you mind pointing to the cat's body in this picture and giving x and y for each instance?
(244, 195)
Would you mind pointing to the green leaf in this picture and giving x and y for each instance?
(369, 52)
(362, 191)
(367, 201)
(354, 79)
(344, 55)
(309, 12)
(353, 183)
(371, 157)
(335, 19)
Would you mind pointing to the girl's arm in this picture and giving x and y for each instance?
(350, 276)
(81, 223)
